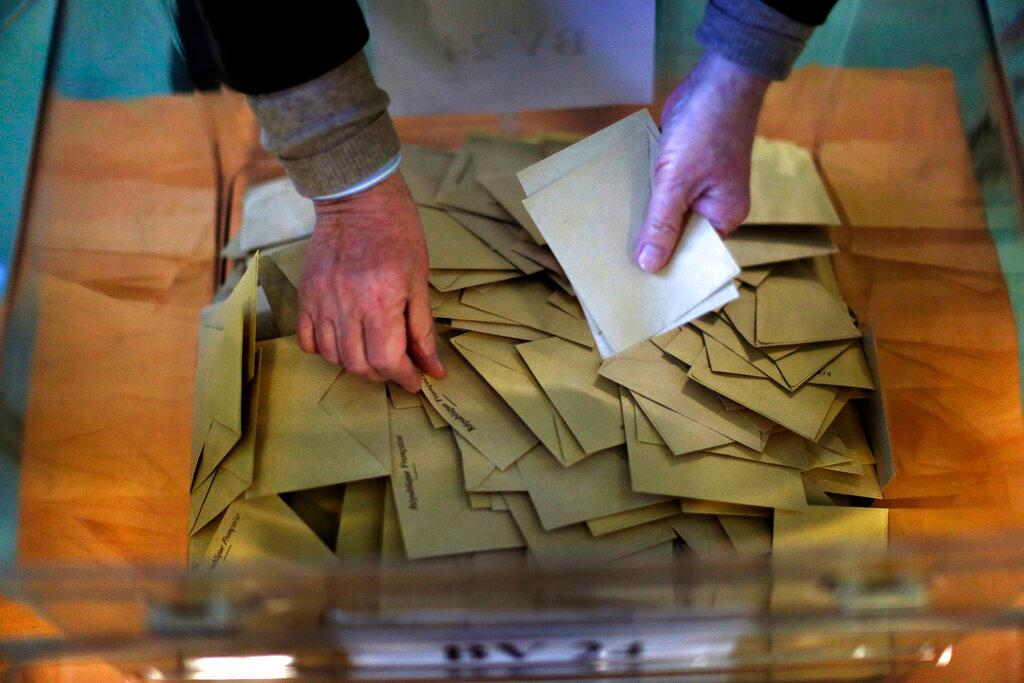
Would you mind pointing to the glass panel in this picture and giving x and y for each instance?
(141, 166)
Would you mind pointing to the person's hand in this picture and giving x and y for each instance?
(707, 128)
(363, 299)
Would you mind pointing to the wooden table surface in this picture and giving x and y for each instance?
(119, 253)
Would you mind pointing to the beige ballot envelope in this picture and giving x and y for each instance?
(717, 328)
(391, 549)
(703, 534)
(500, 364)
(480, 476)
(849, 369)
(400, 398)
(526, 303)
(785, 187)
(645, 371)
(263, 530)
(753, 275)
(289, 259)
(282, 299)
(317, 425)
(587, 402)
(596, 487)
(589, 201)
(361, 520)
(567, 303)
(681, 434)
(793, 307)
(227, 361)
(575, 543)
(436, 421)
(758, 245)
(451, 246)
(233, 475)
(708, 507)
(483, 154)
(450, 280)
(505, 188)
(684, 345)
(617, 521)
(273, 212)
(820, 528)
(796, 366)
(475, 411)
(434, 512)
(654, 469)
(801, 411)
(516, 332)
(502, 237)
(751, 536)
(449, 305)
(424, 169)
(786, 449)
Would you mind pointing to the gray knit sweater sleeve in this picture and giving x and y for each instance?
(331, 132)
(753, 35)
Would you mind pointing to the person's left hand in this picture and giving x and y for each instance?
(708, 126)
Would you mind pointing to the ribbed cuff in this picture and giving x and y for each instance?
(753, 35)
(332, 132)
(347, 163)
(375, 178)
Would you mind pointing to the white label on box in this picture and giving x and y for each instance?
(442, 57)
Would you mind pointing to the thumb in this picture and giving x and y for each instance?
(663, 223)
(725, 207)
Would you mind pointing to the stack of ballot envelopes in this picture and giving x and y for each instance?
(592, 412)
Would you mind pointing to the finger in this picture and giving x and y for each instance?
(307, 334)
(420, 333)
(664, 221)
(724, 207)
(326, 342)
(386, 346)
(352, 350)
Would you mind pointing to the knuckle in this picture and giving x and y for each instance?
(422, 337)
(357, 366)
(659, 228)
(366, 372)
(385, 363)
(330, 356)
(667, 169)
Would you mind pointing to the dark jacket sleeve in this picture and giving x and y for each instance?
(302, 65)
(809, 12)
(765, 37)
(265, 47)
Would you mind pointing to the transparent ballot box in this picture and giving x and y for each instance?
(137, 203)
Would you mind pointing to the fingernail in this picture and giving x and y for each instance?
(650, 257)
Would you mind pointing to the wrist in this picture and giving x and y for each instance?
(729, 78)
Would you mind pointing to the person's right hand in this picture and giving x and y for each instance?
(363, 299)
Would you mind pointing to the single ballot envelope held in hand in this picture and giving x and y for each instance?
(589, 202)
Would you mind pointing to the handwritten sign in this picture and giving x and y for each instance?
(439, 57)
